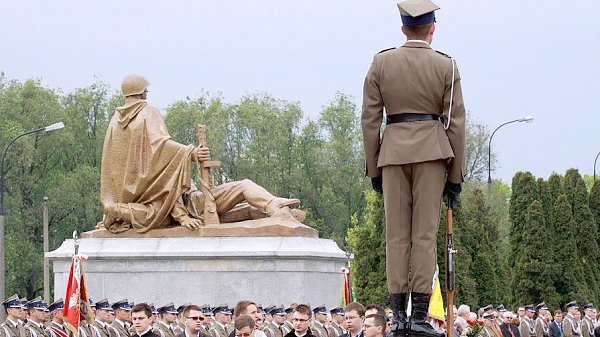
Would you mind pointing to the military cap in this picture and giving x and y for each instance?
(541, 306)
(222, 308)
(268, 309)
(59, 304)
(417, 12)
(181, 308)
(37, 303)
(589, 306)
(103, 305)
(153, 309)
(206, 310)
(278, 311)
(131, 304)
(122, 305)
(488, 312)
(24, 301)
(321, 309)
(289, 310)
(529, 307)
(92, 304)
(572, 304)
(260, 308)
(337, 311)
(168, 308)
(501, 308)
(12, 302)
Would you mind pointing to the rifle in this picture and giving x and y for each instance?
(450, 251)
(206, 183)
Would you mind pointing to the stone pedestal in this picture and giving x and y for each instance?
(267, 269)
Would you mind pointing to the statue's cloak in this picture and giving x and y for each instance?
(142, 166)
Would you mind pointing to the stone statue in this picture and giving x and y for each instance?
(146, 176)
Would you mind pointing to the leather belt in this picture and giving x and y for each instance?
(412, 117)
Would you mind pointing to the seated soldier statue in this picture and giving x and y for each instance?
(146, 176)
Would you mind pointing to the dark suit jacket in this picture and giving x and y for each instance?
(597, 332)
(202, 333)
(506, 329)
(293, 333)
(554, 329)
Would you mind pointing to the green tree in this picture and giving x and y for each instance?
(367, 241)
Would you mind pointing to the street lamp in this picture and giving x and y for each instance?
(595, 160)
(526, 119)
(49, 128)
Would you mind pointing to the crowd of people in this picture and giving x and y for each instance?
(37, 318)
(527, 321)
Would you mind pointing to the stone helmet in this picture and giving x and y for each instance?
(134, 84)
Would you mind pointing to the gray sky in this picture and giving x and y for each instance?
(516, 57)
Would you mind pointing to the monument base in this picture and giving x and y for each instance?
(271, 270)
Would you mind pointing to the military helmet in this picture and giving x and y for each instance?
(134, 84)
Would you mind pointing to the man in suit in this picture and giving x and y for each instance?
(421, 155)
(301, 319)
(541, 324)
(192, 317)
(141, 318)
(507, 327)
(556, 327)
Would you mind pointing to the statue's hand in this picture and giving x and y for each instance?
(201, 153)
(191, 223)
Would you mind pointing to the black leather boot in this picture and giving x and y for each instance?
(418, 325)
(399, 321)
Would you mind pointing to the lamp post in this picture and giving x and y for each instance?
(595, 160)
(49, 128)
(526, 119)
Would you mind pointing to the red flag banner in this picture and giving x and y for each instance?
(347, 295)
(77, 304)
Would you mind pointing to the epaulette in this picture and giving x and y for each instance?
(448, 56)
(386, 50)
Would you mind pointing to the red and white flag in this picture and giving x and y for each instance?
(77, 303)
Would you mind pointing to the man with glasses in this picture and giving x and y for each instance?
(355, 315)
(193, 318)
(374, 325)
(301, 320)
(245, 326)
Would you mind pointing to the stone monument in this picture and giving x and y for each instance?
(164, 240)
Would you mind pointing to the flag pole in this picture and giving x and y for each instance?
(76, 240)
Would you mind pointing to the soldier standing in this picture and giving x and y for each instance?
(122, 317)
(570, 326)
(541, 324)
(101, 325)
(337, 318)
(527, 327)
(56, 327)
(275, 327)
(11, 327)
(38, 315)
(587, 323)
(167, 315)
(218, 328)
(320, 317)
(420, 157)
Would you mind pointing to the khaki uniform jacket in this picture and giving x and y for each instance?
(218, 331)
(10, 329)
(161, 329)
(335, 330)
(103, 329)
(541, 327)
(121, 330)
(587, 327)
(318, 330)
(526, 328)
(570, 327)
(413, 79)
(34, 330)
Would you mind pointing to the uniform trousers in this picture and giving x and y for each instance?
(412, 196)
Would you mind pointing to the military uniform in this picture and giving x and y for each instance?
(163, 328)
(272, 329)
(334, 329)
(587, 325)
(12, 327)
(542, 328)
(219, 329)
(120, 327)
(100, 328)
(527, 326)
(570, 327)
(318, 329)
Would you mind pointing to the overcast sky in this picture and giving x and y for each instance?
(516, 58)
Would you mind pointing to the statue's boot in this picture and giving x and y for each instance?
(281, 207)
(399, 320)
(117, 218)
(418, 325)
